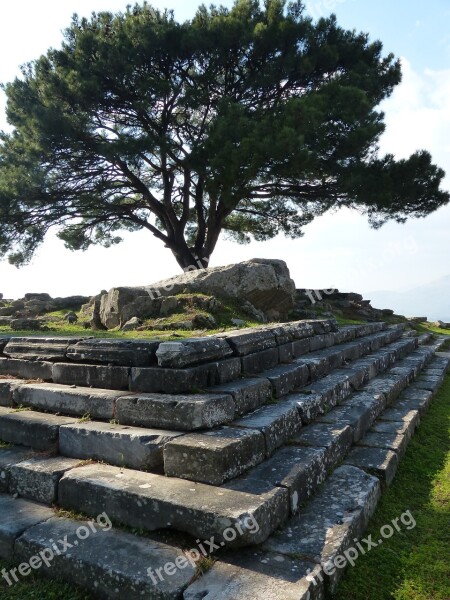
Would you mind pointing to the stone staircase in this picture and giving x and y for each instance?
(276, 441)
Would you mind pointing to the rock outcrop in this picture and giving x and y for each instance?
(264, 285)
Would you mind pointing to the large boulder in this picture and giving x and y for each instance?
(264, 283)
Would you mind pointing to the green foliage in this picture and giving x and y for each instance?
(251, 120)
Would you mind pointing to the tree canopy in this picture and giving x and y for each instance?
(250, 121)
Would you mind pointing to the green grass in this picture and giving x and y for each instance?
(414, 564)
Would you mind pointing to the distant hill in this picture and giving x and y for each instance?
(431, 300)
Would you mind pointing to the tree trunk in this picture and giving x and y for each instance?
(187, 259)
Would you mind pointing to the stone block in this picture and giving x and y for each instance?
(248, 394)
(127, 353)
(277, 422)
(334, 438)
(10, 456)
(380, 462)
(150, 502)
(260, 361)
(214, 456)
(328, 525)
(110, 563)
(286, 378)
(78, 401)
(185, 353)
(256, 574)
(26, 369)
(180, 412)
(28, 428)
(17, 516)
(37, 478)
(97, 376)
(249, 341)
(121, 445)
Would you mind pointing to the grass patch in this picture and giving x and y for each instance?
(412, 565)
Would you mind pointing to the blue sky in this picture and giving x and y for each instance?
(338, 250)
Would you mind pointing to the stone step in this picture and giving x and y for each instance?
(39, 431)
(331, 521)
(127, 364)
(155, 410)
(103, 560)
(148, 501)
(132, 447)
(215, 457)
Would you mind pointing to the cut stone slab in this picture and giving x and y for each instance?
(299, 470)
(79, 401)
(181, 413)
(405, 428)
(331, 521)
(26, 369)
(256, 574)
(301, 347)
(430, 383)
(121, 445)
(37, 348)
(17, 516)
(181, 381)
(390, 386)
(193, 351)
(277, 422)
(97, 376)
(260, 361)
(248, 394)
(401, 413)
(110, 563)
(249, 341)
(381, 462)
(149, 501)
(10, 456)
(7, 387)
(396, 442)
(286, 378)
(214, 456)
(415, 398)
(325, 340)
(334, 438)
(127, 353)
(359, 412)
(37, 478)
(29, 428)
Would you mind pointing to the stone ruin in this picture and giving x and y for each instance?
(263, 450)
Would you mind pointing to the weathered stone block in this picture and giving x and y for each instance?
(256, 574)
(7, 387)
(115, 564)
(38, 478)
(214, 456)
(26, 369)
(331, 521)
(41, 349)
(149, 501)
(277, 422)
(124, 446)
(97, 403)
(334, 438)
(260, 361)
(128, 353)
(285, 378)
(184, 413)
(193, 351)
(249, 341)
(97, 376)
(9, 456)
(380, 462)
(248, 394)
(28, 428)
(17, 516)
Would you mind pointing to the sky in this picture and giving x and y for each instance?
(338, 250)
